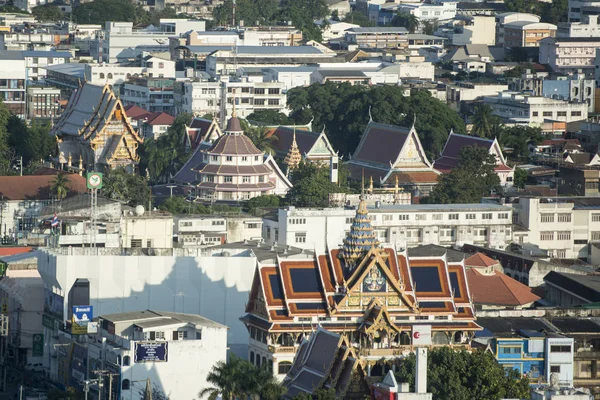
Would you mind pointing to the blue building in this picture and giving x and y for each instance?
(524, 353)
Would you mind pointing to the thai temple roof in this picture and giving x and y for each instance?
(361, 237)
(293, 158)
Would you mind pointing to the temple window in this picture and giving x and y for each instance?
(284, 367)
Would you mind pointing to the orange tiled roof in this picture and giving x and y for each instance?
(13, 250)
(498, 289)
(480, 260)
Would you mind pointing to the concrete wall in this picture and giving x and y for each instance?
(214, 287)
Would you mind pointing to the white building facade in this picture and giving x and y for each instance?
(567, 55)
(399, 225)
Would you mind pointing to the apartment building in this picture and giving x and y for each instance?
(587, 28)
(400, 225)
(580, 9)
(43, 102)
(37, 61)
(565, 227)
(207, 97)
(117, 74)
(13, 79)
(511, 17)
(565, 55)
(123, 42)
(152, 94)
(376, 38)
(575, 88)
(195, 231)
(534, 110)
(526, 33)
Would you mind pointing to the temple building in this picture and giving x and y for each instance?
(95, 132)
(201, 130)
(456, 142)
(232, 168)
(313, 147)
(390, 155)
(373, 295)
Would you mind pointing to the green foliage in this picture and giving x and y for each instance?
(320, 394)
(552, 12)
(33, 143)
(178, 205)
(260, 137)
(471, 179)
(7, 154)
(520, 178)
(252, 12)
(60, 185)
(120, 185)
(303, 13)
(12, 9)
(518, 138)
(485, 123)
(47, 12)
(458, 375)
(344, 111)
(312, 185)
(270, 117)
(409, 21)
(167, 154)
(70, 394)
(429, 27)
(240, 379)
(358, 18)
(264, 201)
(100, 11)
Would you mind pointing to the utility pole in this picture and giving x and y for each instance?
(86, 388)
(21, 165)
(21, 392)
(148, 395)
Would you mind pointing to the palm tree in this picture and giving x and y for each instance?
(409, 21)
(60, 185)
(223, 376)
(261, 139)
(484, 121)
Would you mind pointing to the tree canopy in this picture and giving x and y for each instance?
(100, 11)
(409, 21)
(552, 12)
(47, 12)
(167, 154)
(518, 138)
(471, 179)
(33, 143)
(178, 205)
(270, 117)
(343, 110)
(239, 378)
(120, 185)
(312, 185)
(458, 375)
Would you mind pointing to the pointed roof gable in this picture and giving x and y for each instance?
(499, 289)
(309, 143)
(455, 143)
(480, 260)
(202, 130)
(381, 143)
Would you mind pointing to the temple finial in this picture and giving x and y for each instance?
(234, 112)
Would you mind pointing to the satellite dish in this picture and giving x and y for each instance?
(139, 210)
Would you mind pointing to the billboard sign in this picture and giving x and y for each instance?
(82, 315)
(421, 335)
(151, 352)
(38, 345)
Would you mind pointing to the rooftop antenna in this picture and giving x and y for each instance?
(233, 13)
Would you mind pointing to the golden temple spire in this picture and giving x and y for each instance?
(361, 237)
(234, 112)
(293, 157)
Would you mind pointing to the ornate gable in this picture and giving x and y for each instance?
(321, 147)
(412, 153)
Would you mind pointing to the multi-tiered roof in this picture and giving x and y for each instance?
(361, 237)
(293, 157)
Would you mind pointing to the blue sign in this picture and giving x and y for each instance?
(151, 352)
(81, 316)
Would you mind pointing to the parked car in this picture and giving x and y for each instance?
(35, 367)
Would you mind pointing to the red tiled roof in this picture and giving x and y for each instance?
(160, 118)
(381, 143)
(503, 167)
(36, 187)
(414, 176)
(480, 260)
(135, 112)
(552, 142)
(498, 289)
(11, 251)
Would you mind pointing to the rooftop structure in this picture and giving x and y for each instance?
(393, 155)
(94, 129)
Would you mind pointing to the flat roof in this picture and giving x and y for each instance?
(73, 69)
(263, 251)
(400, 29)
(432, 250)
(440, 207)
(342, 73)
(149, 318)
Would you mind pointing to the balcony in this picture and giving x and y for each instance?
(282, 349)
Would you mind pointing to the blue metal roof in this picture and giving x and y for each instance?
(40, 53)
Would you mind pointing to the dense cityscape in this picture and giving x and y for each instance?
(299, 199)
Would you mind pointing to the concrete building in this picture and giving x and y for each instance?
(209, 97)
(376, 38)
(580, 9)
(123, 42)
(400, 225)
(156, 344)
(290, 77)
(476, 29)
(28, 41)
(511, 17)
(575, 88)
(43, 102)
(13, 80)
(442, 11)
(526, 33)
(36, 61)
(213, 231)
(66, 77)
(533, 110)
(566, 55)
(335, 30)
(117, 74)
(566, 227)
(152, 94)
(227, 61)
(529, 82)
(570, 290)
(467, 91)
(587, 28)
